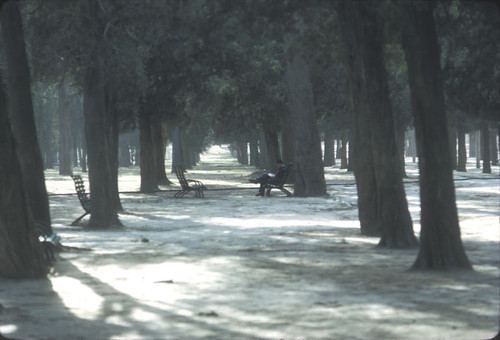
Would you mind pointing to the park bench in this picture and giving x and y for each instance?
(188, 185)
(269, 186)
(82, 197)
(48, 240)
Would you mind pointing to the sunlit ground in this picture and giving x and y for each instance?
(236, 266)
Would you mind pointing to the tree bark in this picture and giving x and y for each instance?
(20, 253)
(462, 152)
(99, 132)
(148, 157)
(254, 153)
(376, 159)
(159, 140)
(343, 150)
(329, 152)
(308, 169)
(21, 113)
(287, 140)
(441, 246)
(493, 146)
(485, 147)
(272, 149)
(65, 133)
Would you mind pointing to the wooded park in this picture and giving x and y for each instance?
(382, 94)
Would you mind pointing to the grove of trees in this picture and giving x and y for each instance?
(100, 84)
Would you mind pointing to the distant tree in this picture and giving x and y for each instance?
(20, 253)
(468, 33)
(440, 243)
(383, 208)
(308, 163)
(65, 129)
(21, 112)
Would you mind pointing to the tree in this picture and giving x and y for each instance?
(441, 246)
(309, 177)
(21, 112)
(382, 200)
(20, 253)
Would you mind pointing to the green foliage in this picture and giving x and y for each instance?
(469, 35)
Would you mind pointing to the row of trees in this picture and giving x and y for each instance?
(273, 75)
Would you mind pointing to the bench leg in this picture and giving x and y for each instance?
(288, 193)
(75, 222)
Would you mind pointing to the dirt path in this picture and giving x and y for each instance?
(235, 266)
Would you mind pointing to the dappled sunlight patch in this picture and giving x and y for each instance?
(82, 300)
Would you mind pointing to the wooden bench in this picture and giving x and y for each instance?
(82, 197)
(48, 240)
(188, 185)
(269, 186)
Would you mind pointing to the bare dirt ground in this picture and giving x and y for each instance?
(236, 266)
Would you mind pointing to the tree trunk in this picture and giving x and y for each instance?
(272, 149)
(242, 149)
(124, 153)
(441, 246)
(65, 133)
(472, 144)
(478, 149)
(254, 153)
(159, 139)
(20, 253)
(462, 152)
(99, 126)
(485, 147)
(21, 112)
(343, 150)
(148, 166)
(308, 163)
(113, 139)
(400, 144)
(377, 161)
(329, 152)
(287, 140)
(453, 145)
(493, 147)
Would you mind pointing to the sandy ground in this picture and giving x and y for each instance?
(236, 266)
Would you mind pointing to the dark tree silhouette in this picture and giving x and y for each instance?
(441, 246)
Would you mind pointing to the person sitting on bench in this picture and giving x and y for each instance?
(269, 177)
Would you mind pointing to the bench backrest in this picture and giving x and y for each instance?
(284, 176)
(80, 190)
(179, 172)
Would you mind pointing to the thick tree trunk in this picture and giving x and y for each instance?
(20, 253)
(462, 152)
(148, 157)
(441, 246)
(308, 162)
(100, 131)
(377, 162)
(21, 112)
(287, 139)
(485, 147)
